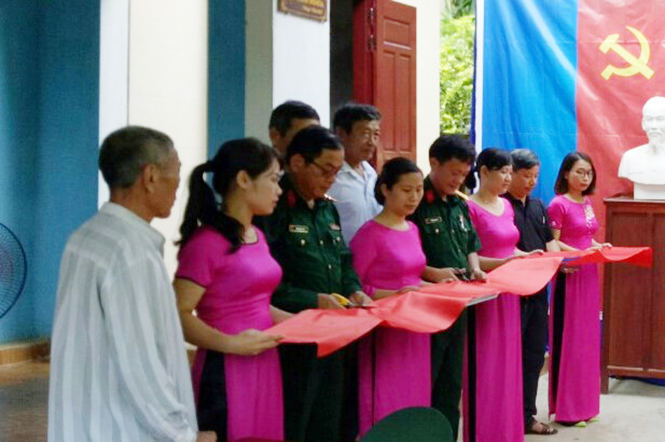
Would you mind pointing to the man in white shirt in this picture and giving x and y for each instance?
(358, 126)
(119, 369)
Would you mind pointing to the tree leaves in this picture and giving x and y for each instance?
(456, 75)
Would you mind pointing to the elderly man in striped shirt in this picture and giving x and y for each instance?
(119, 369)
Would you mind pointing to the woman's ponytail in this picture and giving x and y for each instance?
(246, 154)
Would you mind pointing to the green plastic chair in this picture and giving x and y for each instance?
(421, 424)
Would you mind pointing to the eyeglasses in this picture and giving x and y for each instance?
(327, 172)
(584, 173)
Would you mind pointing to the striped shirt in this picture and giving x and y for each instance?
(119, 369)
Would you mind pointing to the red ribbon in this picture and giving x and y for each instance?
(641, 256)
(329, 329)
(434, 308)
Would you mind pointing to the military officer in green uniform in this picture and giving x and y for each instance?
(450, 244)
(305, 237)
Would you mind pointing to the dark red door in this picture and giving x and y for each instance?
(384, 56)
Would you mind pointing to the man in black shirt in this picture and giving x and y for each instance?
(535, 234)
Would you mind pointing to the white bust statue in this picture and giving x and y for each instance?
(645, 165)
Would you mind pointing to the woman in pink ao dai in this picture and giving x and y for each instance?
(226, 274)
(394, 365)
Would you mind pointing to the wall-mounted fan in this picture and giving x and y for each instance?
(13, 269)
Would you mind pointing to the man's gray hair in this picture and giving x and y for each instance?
(127, 151)
(524, 159)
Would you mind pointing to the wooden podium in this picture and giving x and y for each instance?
(634, 297)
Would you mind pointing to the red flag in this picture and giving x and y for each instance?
(621, 64)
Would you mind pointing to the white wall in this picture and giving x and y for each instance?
(301, 50)
(168, 53)
(288, 58)
(113, 74)
(428, 38)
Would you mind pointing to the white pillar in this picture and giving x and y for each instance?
(168, 63)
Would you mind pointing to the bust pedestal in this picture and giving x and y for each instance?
(634, 297)
(649, 191)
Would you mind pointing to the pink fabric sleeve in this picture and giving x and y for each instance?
(556, 212)
(363, 251)
(473, 214)
(414, 229)
(261, 236)
(203, 253)
(510, 212)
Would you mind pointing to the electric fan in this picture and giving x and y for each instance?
(13, 268)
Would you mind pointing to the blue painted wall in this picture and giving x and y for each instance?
(49, 119)
(69, 133)
(19, 144)
(226, 72)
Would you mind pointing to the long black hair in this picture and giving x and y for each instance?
(248, 154)
(390, 174)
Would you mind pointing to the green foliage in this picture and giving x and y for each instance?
(457, 8)
(456, 77)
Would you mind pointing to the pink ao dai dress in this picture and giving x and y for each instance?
(394, 365)
(493, 410)
(238, 288)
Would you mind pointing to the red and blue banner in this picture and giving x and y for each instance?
(559, 76)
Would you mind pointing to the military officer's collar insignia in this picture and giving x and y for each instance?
(335, 226)
(291, 198)
(294, 228)
(429, 196)
(436, 219)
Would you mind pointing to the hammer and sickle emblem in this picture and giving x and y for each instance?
(637, 65)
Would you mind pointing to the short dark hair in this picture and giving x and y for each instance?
(125, 153)
(392, 170)
(493, 158)
(524, 159)
(350, 113)
(561, 184)
(449, 146)
(282, 115)
(310, 142)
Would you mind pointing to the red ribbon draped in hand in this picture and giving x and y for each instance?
(436, 307)
(641, 256)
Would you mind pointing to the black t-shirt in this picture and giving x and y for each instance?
(532, 222)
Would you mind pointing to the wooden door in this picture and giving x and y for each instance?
(384, 57)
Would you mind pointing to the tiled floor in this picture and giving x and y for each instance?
(633, 411)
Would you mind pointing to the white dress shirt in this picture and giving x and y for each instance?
(354, 198)
(119, 369)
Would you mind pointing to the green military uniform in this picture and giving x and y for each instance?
(448, 237)
(308, 244)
